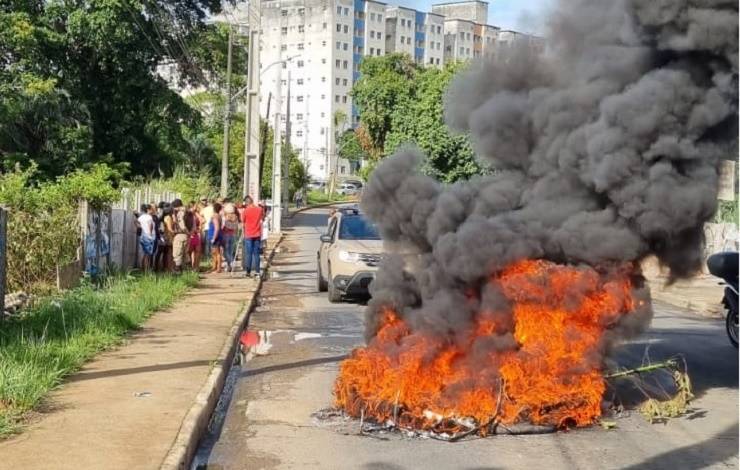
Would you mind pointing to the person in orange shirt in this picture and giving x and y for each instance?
(252, 225)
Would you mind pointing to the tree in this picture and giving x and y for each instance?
(78, 83)
(385, 83)
(401, 103)
(420, 122)
(350, 148)
(297, 174)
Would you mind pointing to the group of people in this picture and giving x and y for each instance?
(174, 236)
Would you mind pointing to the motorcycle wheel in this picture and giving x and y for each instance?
(731, 323)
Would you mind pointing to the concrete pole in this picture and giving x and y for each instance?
(276, 154)
(286, 160)
(227, 123)
(252, 166)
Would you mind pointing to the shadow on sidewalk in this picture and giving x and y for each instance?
(80, 376)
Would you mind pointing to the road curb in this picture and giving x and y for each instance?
(195, 423)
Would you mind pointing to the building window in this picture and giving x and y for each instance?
(346, 11)
(467, 51)
(301, 11)
(299, 98)
(437, 61)
(339, 45)
(300, 46)
(300, 63)
(283, 12)
(323, 26)
(345, 46)
(336, 98)
(341, 169)
(403, 22)
(336, 81)
(323, 97)
(372, 34)
(346, 29)
(299, 81)
(468, 36)
(339, 28)
(301, 28)
(339, 9)
(403, 39)
(439, 44)
(372, 16)
(431, 61)
(323, 114)
(462, 50)
(284, 30)
(408, 40)
(378, 52)
(299, 133)
(344, 82)
(284, 47)
(344, 64)
(322, 130)
(321, 167)
(380, 17)
(439, 30)
(344, 98)
(323, 43)
(323, 61)
(323, 79)
(372, 51)
(338, 63)
(283, 82)
(285, 65)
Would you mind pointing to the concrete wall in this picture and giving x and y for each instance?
(475, 11)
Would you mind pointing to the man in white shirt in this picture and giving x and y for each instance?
(147, 239)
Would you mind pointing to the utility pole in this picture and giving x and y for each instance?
(286, 161)
(276, 153)
(263, 143)
(253, 155)
(227, 119)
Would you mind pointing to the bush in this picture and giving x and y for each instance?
(43, 223)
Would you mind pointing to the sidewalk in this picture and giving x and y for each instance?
(124, 409)
(701, 295)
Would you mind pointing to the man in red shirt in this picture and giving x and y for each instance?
(252, 223)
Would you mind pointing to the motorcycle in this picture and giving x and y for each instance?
(725, 266)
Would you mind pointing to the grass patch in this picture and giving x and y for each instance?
(320, 197)
(56, 336)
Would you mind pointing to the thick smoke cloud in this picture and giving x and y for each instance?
(605, 148)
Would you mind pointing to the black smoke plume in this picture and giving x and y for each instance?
(605, 148)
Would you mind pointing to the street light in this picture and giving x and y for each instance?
(238, 93)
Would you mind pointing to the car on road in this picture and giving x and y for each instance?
(349, 255)
(348, 189)
(316, 185)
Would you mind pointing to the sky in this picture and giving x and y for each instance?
(519, 15)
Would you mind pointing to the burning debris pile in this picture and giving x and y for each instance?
(606, 150)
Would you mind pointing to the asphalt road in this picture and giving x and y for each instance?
(266, 420)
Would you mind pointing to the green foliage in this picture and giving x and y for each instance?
(321, 197)
(55, 337)
(190, 185)
(43, 221)
(78, 83)
(350, 147)
(400, 103)
(727, 212)
(385, 83)
(298, 176)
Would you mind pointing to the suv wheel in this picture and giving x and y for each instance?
(321, 284)
(335, 295)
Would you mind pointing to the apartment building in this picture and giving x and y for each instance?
(314, 48)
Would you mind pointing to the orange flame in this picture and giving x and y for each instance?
(551, 373)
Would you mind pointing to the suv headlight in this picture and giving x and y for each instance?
(348, 256)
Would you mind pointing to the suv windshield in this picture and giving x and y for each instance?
(357, 228)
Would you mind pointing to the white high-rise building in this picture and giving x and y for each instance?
(316, 46)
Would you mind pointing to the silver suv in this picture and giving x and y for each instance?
(349, 256)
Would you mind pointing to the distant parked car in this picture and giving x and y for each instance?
(347, 189)
(316, 185)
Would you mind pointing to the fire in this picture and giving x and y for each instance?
(549, 373)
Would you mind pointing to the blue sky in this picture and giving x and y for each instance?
(520, 15)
